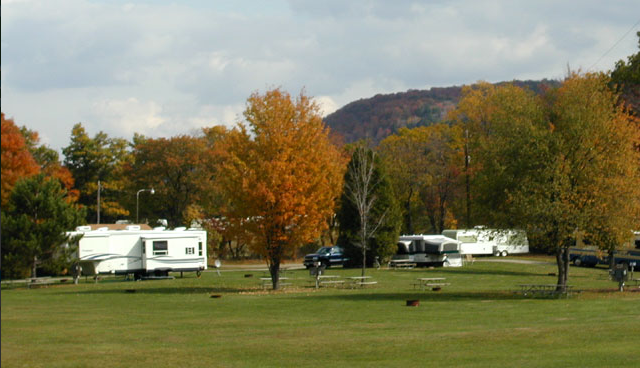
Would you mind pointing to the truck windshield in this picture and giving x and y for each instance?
(324, 250)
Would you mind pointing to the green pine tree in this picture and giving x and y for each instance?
(33, 227)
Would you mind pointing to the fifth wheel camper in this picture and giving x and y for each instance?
(141, 252)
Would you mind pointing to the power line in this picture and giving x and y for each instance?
(615, 44)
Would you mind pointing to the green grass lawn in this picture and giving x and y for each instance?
(477, 321)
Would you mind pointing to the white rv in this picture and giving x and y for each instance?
(428, 250)
(481, 241)
(141, 252)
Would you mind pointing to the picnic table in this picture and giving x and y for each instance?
(430, 282)
(329, 280)
(360, 281)
(544, 290)
(33, 283)
(266, 282)
(402, 263)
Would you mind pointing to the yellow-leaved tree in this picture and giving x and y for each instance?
(281, 174)
(425, 167)
(554, 165)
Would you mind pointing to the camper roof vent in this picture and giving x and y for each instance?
(180, 228)
(132, 227)
(83, 228)
(159, 228)
(103, 228)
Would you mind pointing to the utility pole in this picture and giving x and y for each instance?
(466, 171)
(99, 188)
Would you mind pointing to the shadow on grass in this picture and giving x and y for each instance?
(426, 296)
(134, 290)
(471, 271)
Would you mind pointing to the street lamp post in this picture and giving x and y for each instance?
(138, 200)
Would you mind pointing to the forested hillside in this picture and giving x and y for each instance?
(382, 115)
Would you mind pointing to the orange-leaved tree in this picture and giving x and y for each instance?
(17, 161)
(49, 162)
(281, 174)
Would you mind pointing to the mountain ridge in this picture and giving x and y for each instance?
(377, 117)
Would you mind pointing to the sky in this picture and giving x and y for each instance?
(166, 68)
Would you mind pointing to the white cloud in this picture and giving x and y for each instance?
(327, 105)
(168, 68)
(130, 115)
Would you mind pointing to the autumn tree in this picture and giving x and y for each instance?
(49, 161)
(404, 156)
(177, 169)
(17, 161)
(442, 191)
(425, 167)
(93, 160)
(369, 215)
(281, 174)
(554, 164)
(34, 223)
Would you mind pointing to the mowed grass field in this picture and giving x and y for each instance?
(477, 321)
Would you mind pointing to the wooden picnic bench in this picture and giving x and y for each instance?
(331, 282)
(432, 283)
(545, 290)
(361, 281)
(398, 264)
(266, 282)
(34, 283)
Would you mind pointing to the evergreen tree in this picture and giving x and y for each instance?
(98, 159)
(34, 223)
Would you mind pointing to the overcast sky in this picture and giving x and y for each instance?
(163, 68)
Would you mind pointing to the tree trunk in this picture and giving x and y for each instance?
(364, 257)
(33, 268)
(274, 270)
(562, 260)
(612, 260)
(363, 237)
(408, 213)
(566, 265)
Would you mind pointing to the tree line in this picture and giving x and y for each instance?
(550, 163)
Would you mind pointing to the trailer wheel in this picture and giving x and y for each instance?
(198, 274)
(504, 253)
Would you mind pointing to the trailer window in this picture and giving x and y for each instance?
(467, 239)
(189, 250)
(160, 248)
(199, 248)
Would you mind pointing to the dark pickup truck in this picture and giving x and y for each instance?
(328, 256)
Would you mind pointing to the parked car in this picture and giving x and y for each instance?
(327, 256)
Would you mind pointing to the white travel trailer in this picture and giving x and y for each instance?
(481, 241)
(141, 252)
(428, 250)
